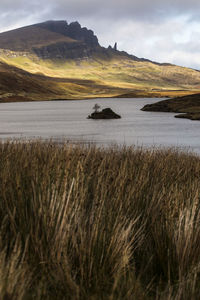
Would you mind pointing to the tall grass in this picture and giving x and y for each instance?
(81, 222)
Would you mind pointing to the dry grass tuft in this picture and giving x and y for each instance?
(81, 222)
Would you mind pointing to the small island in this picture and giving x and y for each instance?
(106, 113)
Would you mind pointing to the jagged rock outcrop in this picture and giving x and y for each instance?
(75, 31)
(52, 40)
(72, 30)
(84, 45)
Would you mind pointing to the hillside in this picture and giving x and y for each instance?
(19, 85)
(69, 53)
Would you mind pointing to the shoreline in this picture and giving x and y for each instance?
(181, 149)
(187, 107)
(132, 94)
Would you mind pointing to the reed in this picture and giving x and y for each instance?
(81, 222)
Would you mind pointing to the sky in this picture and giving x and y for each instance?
(160, 30)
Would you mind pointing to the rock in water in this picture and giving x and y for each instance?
(106, 113)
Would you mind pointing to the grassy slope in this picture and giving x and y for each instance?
(87, 224)
(19, 85)
(118, 75)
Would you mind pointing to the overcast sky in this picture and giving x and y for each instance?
(161, 30)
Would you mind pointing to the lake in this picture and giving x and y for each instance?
(67, 120)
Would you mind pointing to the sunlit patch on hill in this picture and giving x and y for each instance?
(76, 66)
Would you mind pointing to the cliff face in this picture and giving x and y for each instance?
(72, 30)
(84, 45)
(63, 50)
(52, 40)
(57, 40)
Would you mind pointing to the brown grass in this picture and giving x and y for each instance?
(91, 78)
(81, 222)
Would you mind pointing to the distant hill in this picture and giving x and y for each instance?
(69, 52)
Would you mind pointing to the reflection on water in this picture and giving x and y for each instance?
(68, 120)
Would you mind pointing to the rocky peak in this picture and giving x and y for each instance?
(72, 30)
(75, 25)
(75, 31)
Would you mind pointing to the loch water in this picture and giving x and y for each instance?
(67, 120)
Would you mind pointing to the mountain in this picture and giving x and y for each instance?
(57, 40)
(51, 39)
(67, 53)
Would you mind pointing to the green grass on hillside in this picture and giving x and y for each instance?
(81, 222)
(116, 72)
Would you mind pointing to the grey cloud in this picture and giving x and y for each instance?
(104, 9)
(123, 9)
(146, 28)
(11, 6)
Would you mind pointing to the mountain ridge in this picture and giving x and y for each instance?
(71, 53)
(42, 38)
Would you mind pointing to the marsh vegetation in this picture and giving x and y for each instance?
(81, 222)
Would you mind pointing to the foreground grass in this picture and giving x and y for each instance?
(86, 223)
